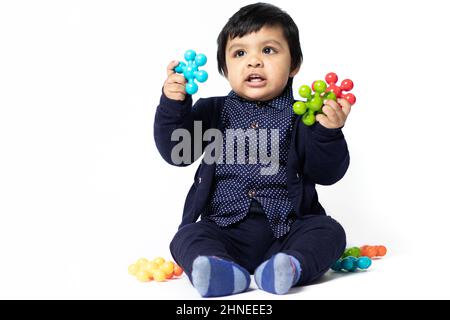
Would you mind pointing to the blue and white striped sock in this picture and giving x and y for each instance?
(278, 274)
(215, 277)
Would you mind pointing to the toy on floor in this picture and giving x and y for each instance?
(352, 252)
(373, 251)
(158, 269)
(314, 101)
(358, 258)
(190, 70)
(350, 264)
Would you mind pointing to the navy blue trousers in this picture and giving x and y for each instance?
(317, 241)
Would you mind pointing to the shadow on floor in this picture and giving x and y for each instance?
(329, 276)
(333, 275)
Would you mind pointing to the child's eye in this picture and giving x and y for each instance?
(239, 53)
(269, 50)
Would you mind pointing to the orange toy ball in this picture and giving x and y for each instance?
(177, 270)
(169, 275)
(364, 250)
(369, 251)
(381, 250)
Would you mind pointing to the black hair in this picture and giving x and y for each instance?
(251, 19)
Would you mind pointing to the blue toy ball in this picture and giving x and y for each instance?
(350, 264)
(190, 70)
(363, 262)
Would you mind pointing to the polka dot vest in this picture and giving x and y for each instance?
(237, 183)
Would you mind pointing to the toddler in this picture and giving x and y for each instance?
(257, 200)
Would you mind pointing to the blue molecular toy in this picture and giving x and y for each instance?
(191, 72)
(350, 264)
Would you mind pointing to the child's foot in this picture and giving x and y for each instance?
(214, 277)
(278, 274)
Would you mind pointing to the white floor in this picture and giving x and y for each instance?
(388, 278)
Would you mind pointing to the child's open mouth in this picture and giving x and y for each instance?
(255, 80)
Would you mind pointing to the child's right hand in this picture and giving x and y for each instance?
(175, 84)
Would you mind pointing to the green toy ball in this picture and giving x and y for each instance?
(330, 96)
(319, 86)
(299, 107)
(352, 252)
(316, 103)
(309, 118)
(305, 92)
(323, 90)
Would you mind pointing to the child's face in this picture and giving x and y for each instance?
(259, 63)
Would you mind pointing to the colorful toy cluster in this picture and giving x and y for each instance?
(314, 101)
(358, 258)
(190, 70)
(350, 264)
(158, 269)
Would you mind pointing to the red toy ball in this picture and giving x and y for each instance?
(346, 85)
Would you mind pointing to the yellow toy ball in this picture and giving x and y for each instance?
(159, 261)
(143, 276)
(133, 269)
(167, 267)
(159, 275)
(157, 269)
(150, 266)
(141, 261)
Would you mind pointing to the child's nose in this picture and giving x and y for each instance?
(255, 62)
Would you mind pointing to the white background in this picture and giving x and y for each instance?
(84, 192)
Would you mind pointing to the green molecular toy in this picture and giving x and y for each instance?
(314, 101)
(352, 252)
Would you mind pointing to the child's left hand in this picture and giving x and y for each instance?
(334, 113)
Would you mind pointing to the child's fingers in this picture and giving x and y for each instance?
(337, 108)
(176, 78)
(175, 91)
(170, 68)
(331, 103)
(176, 88)
(346, 106)
(323, 120)
(330, 113)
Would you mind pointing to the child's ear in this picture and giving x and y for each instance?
(294, 72)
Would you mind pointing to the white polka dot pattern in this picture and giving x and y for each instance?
(235, 185)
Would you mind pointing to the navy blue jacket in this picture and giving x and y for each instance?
(317, 155)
